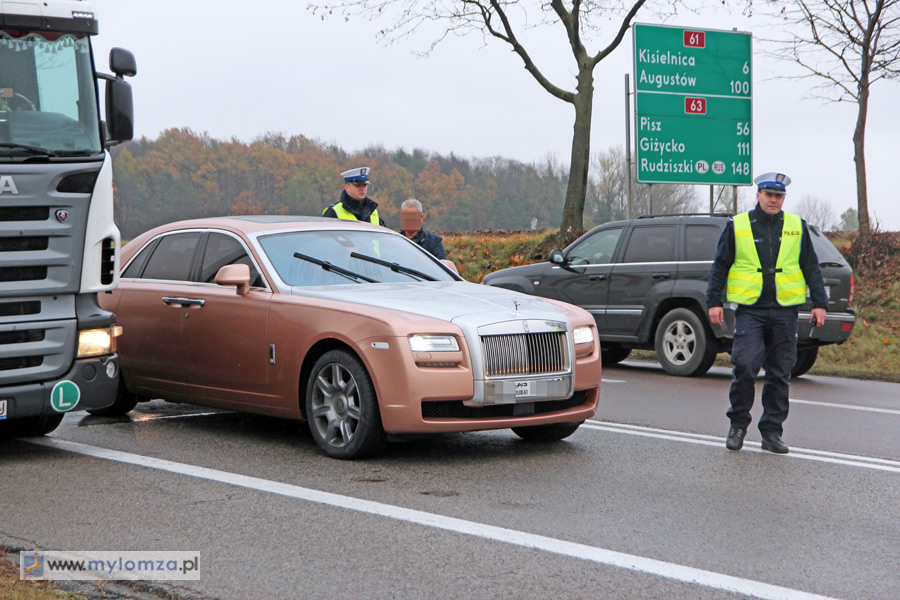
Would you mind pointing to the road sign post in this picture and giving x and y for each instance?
(693, 111)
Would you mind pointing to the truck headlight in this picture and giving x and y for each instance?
(433, 343)
(97, 342)
(584, 340)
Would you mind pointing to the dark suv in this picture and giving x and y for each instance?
(644, 280)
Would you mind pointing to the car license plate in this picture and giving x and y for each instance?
(2, 409)
(524, 389)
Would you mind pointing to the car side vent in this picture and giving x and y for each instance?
(80, 183)
(108, 261)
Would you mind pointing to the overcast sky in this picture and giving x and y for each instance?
(241, 69)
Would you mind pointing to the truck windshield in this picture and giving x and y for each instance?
(48, 96)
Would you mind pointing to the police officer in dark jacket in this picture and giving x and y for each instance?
(413, 217)
(354, 205)
(764, 264)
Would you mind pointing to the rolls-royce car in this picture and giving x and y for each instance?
(349, 326)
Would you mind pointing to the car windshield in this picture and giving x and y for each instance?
(48, 101)
(335, 247)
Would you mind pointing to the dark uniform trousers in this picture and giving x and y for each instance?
(763, 337)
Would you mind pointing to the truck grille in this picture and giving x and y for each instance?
(35, 351)
(524, 354)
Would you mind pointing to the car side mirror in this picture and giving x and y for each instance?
(238, 275)
(557, 257)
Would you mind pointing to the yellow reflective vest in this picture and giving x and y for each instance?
(745, 278)
(343, 213)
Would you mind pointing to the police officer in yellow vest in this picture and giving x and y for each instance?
(764, 264)
(354, 205)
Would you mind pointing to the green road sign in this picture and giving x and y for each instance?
(693, 112)
(65, 396)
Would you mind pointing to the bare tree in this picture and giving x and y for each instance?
(816, 212)
(848, 45)
(507, 20)
(607, 191)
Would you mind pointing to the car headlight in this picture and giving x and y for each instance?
(97, 342)
(583, 335)
(584, 341)
(433, 343)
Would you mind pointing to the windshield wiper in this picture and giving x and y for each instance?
(393, 266)
(830, 263)
(356, 277)
(32, 149)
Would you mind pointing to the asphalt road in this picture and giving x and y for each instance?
(642, 502)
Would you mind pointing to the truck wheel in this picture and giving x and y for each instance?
(806, 358)
(683, 344)
(125, 401)
(29, 426)
(613, 353)
(547, 433)
(342, 408)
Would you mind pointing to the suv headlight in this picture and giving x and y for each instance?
(433, 343)
(97, 342)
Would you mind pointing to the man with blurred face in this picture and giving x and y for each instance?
(354, 204)
(765, 262)
(413, 216)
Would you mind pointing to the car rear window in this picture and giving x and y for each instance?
(171, 260)
(701, 242)
(651, 244)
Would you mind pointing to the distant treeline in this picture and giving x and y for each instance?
(183, 174)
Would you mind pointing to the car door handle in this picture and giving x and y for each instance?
(184, 301)
(596, 277)
(661, 275)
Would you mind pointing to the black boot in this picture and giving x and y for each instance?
(772, 442)
(735, 439)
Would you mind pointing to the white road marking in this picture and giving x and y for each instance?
(888, 411)
(852, 460)
(605, 380)
(522, 539)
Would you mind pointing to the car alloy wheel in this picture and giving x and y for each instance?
(342, 408)
(683, 344)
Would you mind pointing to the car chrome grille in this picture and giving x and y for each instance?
(525, 354)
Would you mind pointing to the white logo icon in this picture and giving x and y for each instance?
(702, 166)
(718, 167)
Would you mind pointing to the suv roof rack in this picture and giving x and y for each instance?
(706, 214)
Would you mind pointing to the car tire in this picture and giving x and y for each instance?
(683, 344)
(125, 402)
(342, 408)
(613, 353)
(806, 358)
(547, 433)
(29, 426)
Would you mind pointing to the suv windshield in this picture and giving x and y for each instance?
(336, 247)
(48, 97)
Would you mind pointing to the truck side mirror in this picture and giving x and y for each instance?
(122, 62)
(119, 100)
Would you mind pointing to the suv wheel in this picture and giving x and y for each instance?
(806, 358)
(683, 344)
